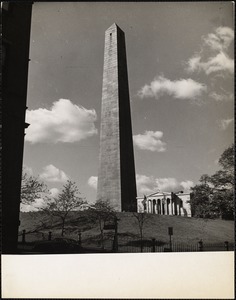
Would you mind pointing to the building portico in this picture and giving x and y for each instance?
(165, 203)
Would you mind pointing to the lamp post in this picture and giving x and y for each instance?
(170, 231)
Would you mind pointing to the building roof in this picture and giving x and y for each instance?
(160, 193)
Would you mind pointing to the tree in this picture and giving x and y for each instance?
(31, 188)
(100, 213)
(227, 159)
(68, 200)
(141, 219)
(214, 196)
(201, 201)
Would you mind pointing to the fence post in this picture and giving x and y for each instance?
(153, 245)
(141, 243)
(50, 236)
(80, 240)
(227, 245)
(170, 232)
(200, 245)
(115, 242)
(23, 237)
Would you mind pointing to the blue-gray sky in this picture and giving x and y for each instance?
(180, 67)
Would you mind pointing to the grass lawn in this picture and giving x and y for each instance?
(185, 230)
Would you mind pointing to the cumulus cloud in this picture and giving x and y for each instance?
(186, 185)
(37, 205)
(221, 39)
(221, 97)
(27, 170)
(220, 62)
(63, 122)
(224, 123)
(92, 182)
(150, 140)
(52, 174)
(179, 89)
(149, 184)
(54, 192)
(145, 184)
(213, 57)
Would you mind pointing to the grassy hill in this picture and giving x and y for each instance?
(185, 230)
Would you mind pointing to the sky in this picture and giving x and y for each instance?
(181, 72)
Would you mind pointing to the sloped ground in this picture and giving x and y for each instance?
(185, 230)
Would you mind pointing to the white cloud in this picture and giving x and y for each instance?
(179, 89)
(218, 60)
(37, 205)
(224, 123)
(149, 184)
(92, 181)
(221, 39)
(54, 192)
(53, 174)
(64, 122)
(150, 140)
(221, 97)
(27, 170)
(145, 184)
(186, 185)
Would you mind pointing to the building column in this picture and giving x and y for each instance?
(150, 206)
(155, 206)
(158, 207)
(174, 207)
(163, 207)
(170, 207)
(179, 209)
(167, 208)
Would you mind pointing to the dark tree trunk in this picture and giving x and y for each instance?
(63, 226)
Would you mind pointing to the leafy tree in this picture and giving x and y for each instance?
(31, 188)
(213, 197)
(68, 200)
(99, 213)
(227, 159)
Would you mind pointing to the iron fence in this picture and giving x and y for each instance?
(125, 244)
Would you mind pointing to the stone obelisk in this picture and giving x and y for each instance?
(116, 175)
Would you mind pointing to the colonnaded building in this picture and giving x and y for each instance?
(165, 203)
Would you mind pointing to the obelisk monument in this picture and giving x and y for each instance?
(116, 175)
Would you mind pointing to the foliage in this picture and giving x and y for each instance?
(31, 188)
(68, 200)
(214, 196)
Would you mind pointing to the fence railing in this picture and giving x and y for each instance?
(124, 244)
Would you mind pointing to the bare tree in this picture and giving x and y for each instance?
(68, 200)
(100, 213)
(141, 219)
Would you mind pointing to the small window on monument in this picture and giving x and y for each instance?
(110, 34)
